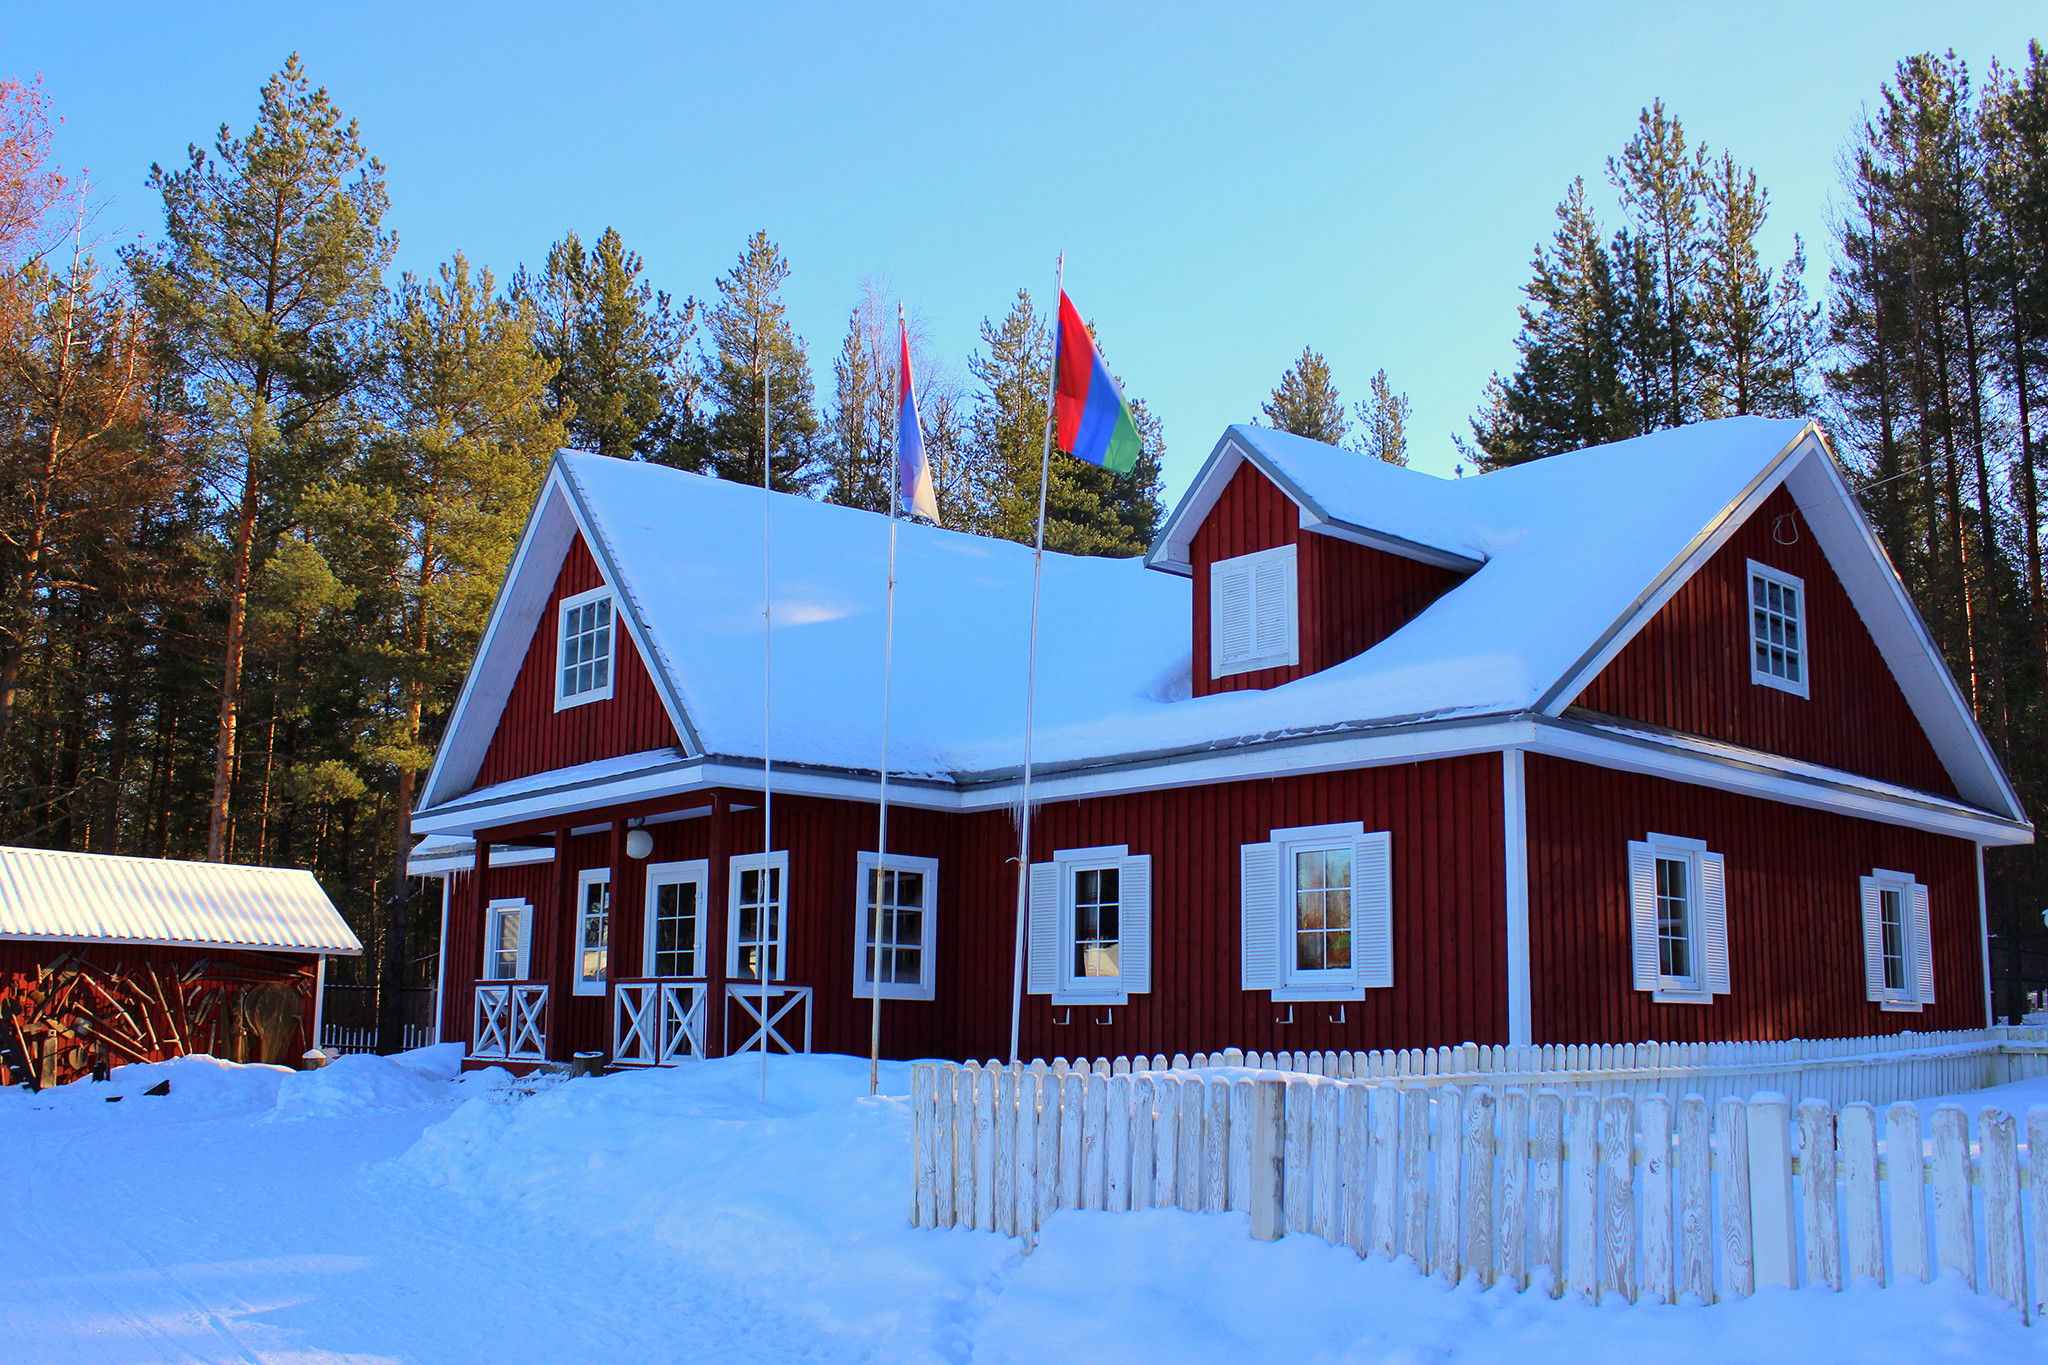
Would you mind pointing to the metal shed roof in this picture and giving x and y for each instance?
(100, 898)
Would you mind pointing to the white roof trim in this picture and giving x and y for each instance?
(559, 517)
(102, 898)
(1170, 547)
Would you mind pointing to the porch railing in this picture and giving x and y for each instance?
(511, 1022)
(782, 1002)
(657, 1022)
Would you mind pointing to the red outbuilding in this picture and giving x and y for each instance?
(1641, 742)
(108, 960)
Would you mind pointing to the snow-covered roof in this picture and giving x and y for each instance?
(1565, 559)
(100, 898)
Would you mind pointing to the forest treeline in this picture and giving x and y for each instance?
(260, 489)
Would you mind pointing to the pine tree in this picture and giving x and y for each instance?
(1755, 331)
(755, 346)
(272, 271)
(470, 437)
(1306, 402)
(863, 423)
(623, 382)
(1383, 422)
(1570, 390)
(1660, 183)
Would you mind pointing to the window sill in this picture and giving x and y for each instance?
(1771, 680)
(866, 991)
(590, 988)
(1117, 997)
(597, 694)
(1902, 1006)
(1682, 997)
(1326, 991)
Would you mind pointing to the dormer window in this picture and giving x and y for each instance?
(586, 649)
(1777, 629)
(1253, 623)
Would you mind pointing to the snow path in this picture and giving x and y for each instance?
(672, 1217)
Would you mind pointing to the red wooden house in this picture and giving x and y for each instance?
(1642, 742)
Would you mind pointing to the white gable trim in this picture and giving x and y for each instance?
(1807, 469)
(559, 517)
(1170, 550)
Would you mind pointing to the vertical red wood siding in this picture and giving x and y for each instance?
(1795, 926)
(1689, 667)
(1350, 597)
(533, 737)
(1448, 917)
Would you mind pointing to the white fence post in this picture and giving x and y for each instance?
(1658, 1282)
(1194, 1117)
(1144, 1194)
(1955, 1239)
(1770, 1191)
(1582, 1210)
(2037, 1174)
(1546, 1189)
(2005, 1262)
(1695, 1201)
(1116, 1130)
(1478, 1249)
(1512, 1246)
(1904, 1165)
(1298, 1178)
(1414, 1192)
(1863, 1214)
(1618, 1213)
(944, 1144)
(1267, 1191)
(1006, 1152)
(1241, 1145)
(1322, 1150)
(1216, 1146)
(1738, 1234)
(1822, 1224)
(1094, 1101)
(1447, 1215)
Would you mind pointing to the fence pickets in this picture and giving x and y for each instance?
(1598, 1196)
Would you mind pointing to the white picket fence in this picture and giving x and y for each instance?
(1591, 1194)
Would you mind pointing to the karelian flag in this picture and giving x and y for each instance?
(913, 471)
(1094, 423)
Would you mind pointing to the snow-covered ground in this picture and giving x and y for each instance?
(378, 1211)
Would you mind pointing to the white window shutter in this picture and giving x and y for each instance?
(525, 942)
(1230, 616)
(1923, 945)
(1134, 923)
(1043, 962)
(1259, 891)
(1372, 909)
(1273, 608)
(1873, 937)
(1642, 913)
(1713, 921)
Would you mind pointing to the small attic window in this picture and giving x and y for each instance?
(1252, 618)
(1777, 629)
(586, 668)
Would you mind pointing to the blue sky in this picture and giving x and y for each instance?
(1229, 183)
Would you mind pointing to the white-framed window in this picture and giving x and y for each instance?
(1898, 948)
(1317, 912)
(1678, 919)
(1253, 622)
(586, 635)
(508, 936)
(1091, 926)
(593, 929)
(895, 908)
(673, 932)
(1777, 629)
(756, 923)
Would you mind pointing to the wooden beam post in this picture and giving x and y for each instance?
(716, 894)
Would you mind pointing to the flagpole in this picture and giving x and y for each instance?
(770, 886)
(1031, 668)
(882, 833)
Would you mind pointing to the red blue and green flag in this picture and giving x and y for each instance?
(1092, 421)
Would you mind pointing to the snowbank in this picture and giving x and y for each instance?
(199, 1085)
(363, 1083)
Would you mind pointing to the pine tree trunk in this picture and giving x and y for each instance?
(231, 667)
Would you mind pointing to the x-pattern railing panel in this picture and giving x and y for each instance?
(749, 999)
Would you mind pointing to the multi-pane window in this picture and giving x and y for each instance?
(1891, 916)
(586, 657)
(593, 931)
(1322, 909)
(1098, 906)
(1777, 629)
(505, 944)
(895, 926)
(1674, 918)
(758, 931)
(675, 913)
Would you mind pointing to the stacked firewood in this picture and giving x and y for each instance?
(76, 1017)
